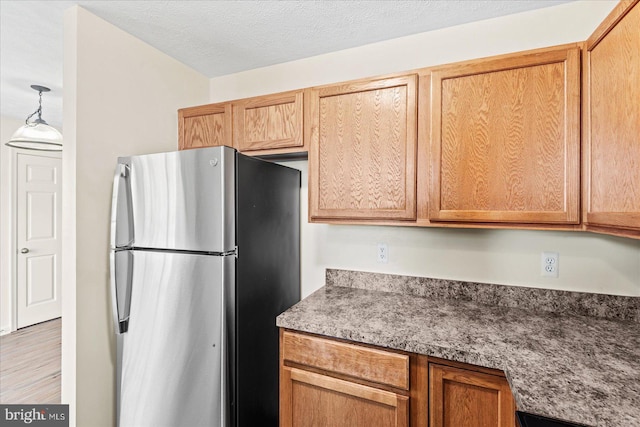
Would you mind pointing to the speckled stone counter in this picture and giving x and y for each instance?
(562, 364)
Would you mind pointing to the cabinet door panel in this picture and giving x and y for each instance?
(462, 398)
(321, 401)
(204, 126)
(362, 153)
(612, 135)
(506, 138)
(268, 122)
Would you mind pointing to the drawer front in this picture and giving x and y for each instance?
(378, 366)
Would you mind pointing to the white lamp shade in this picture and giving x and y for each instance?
(37, 136)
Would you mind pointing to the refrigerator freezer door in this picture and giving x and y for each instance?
(184, 200)
(121, 221)
(174, 355)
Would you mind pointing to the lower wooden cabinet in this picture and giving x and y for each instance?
(315, 400)
(466, 398)
(331, 383)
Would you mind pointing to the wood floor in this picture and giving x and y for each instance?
(30, 364)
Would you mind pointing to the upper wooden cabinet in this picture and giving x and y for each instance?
(466, 398)
(269, 124)
(204, 126)
(362, 152)
(612, 124)
(505, 139)
(264, 125)
(540, 139)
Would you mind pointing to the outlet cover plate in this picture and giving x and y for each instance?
(383, 253)
(550, 264)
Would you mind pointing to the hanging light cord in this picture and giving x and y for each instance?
(38, 111)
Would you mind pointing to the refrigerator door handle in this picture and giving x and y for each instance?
(121, 213)
(121, 278)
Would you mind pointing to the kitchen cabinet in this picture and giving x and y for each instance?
(467, 398)
(204, 126)
(495, 143)
(328, 382)
(271, 124)
(362, 150)
(319, 400)
(264, 125)
(325, 382)
(505, 139)
(612, 124)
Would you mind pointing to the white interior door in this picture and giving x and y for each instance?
(38, 243)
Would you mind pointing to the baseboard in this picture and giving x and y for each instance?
(4, 330)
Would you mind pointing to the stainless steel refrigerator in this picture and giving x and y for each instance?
(205, 253)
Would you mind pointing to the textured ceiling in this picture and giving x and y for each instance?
(217, 37)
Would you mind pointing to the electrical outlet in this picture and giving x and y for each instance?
(550, 264)
(383, 253)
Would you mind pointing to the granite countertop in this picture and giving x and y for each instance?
(567, 365)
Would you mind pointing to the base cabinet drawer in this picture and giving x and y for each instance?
(368, 364)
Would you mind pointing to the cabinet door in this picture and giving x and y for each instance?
(315, 400)
(204, 126)
(505, 139)
(269, 124)
(464, 398)
(362, 152)
(612, 122)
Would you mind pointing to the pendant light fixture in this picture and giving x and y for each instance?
(37, 134)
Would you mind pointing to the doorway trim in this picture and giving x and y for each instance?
(13, 252)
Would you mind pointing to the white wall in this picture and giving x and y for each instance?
(588, 262)
(121, 98)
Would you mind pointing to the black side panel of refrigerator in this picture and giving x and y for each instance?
(268, 281)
